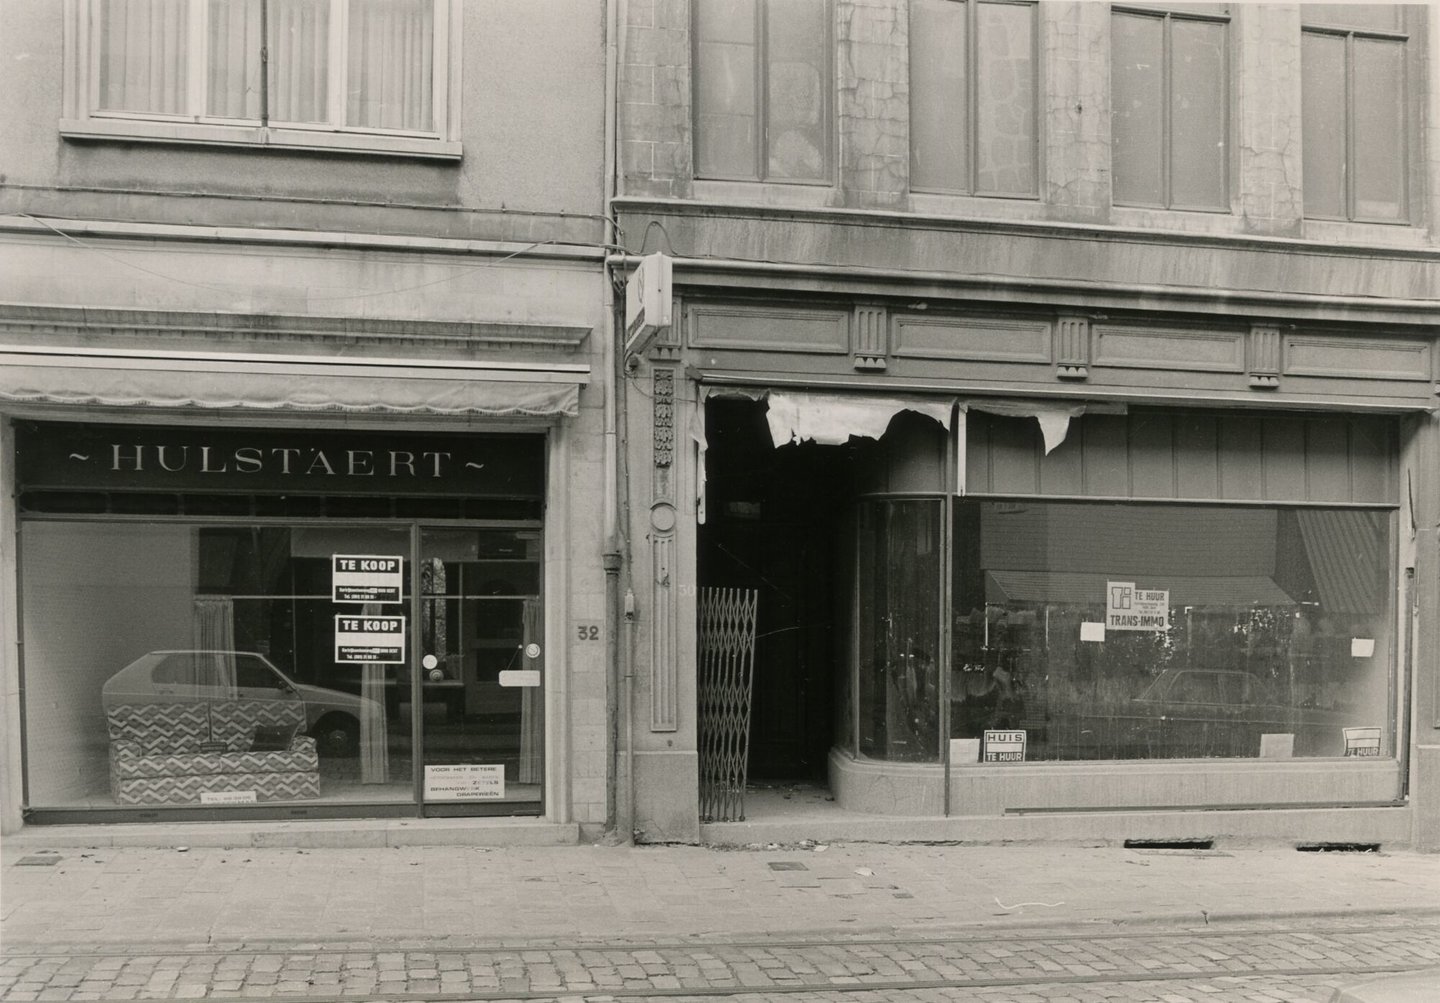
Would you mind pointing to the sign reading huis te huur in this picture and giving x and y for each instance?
(64, 456)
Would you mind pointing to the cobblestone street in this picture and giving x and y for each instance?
(1242, 964)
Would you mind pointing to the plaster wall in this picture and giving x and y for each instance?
(533, 85)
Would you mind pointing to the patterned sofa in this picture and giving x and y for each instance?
(174, 753)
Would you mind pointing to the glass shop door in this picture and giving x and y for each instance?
(479, 656)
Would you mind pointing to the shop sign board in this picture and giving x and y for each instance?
(465, 782)
(1129, 608)
(66, 456)
(364, 578)
(1003, 747)
(362, 639)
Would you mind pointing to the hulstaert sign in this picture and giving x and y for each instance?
(56, 455)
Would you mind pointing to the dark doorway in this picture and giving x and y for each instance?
(773, 519)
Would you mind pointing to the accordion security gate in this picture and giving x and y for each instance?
(726, 622)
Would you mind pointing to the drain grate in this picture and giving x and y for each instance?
(1169, 844)
(1338, 847)
(39, 860)
(787, 865)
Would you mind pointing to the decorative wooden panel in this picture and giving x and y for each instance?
(870, 338)
(1357, 358)
(769, 329)
(1200, 350)
(1072, 347)
(977, 340)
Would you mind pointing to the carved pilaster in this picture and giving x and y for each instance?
(870, 337)
(1072, 347)
(664, 709)
(1262, 356)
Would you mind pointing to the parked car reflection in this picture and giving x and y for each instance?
(331, 716)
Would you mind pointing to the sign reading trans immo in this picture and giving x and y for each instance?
(1129, 608)
(361, 639)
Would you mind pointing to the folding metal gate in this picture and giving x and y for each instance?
(726, 623)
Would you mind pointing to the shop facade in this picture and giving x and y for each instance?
(1025, 571)
(270, 586)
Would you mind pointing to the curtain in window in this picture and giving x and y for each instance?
(374, 766)
(299, 60)
(390, 65)
(233, 70)
(214, 632)
(143, 56)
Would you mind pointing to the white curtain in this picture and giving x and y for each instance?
(299, 60)
(532, 702)
(143, 55)
(374, 761)
(233, 73)
(213, 630)
(390, 65)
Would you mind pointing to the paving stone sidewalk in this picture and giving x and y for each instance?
(591, 922)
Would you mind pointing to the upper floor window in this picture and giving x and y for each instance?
(1169, 83)
(763, 90)
(1354, 109)
(362, 75)
(972, 97)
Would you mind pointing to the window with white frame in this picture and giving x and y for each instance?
(369, 76)
(1354, 83)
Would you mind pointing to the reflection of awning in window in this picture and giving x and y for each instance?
(1347, 554)
(1072, 588)
(220, 380)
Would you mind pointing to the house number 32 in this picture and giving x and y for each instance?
(587, 630)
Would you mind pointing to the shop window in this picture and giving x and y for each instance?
(1152, 631)
(972, 97)
(369, 76)
(1355, 98)
(763, 90)
(1169, 77)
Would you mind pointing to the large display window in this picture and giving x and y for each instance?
(1150, 631)
(297, 666)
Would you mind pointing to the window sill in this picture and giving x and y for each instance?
(363, 144)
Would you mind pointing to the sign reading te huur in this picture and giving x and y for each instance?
(1003, 747)
(361, 639)
(364, 578)
(1129, 608)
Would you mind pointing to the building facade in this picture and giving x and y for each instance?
(1059, 379)
(302, 413)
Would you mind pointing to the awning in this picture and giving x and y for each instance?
(224, 380)
(833, 418)
(1073, 588)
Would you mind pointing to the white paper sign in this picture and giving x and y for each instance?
(1277, 745)
(361, 639)
(1090, 631)
(1129, 608)
(227, 797)
(964, 751)
(1362, 647)
(364, 578)
(465, 782)
(519, 677)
